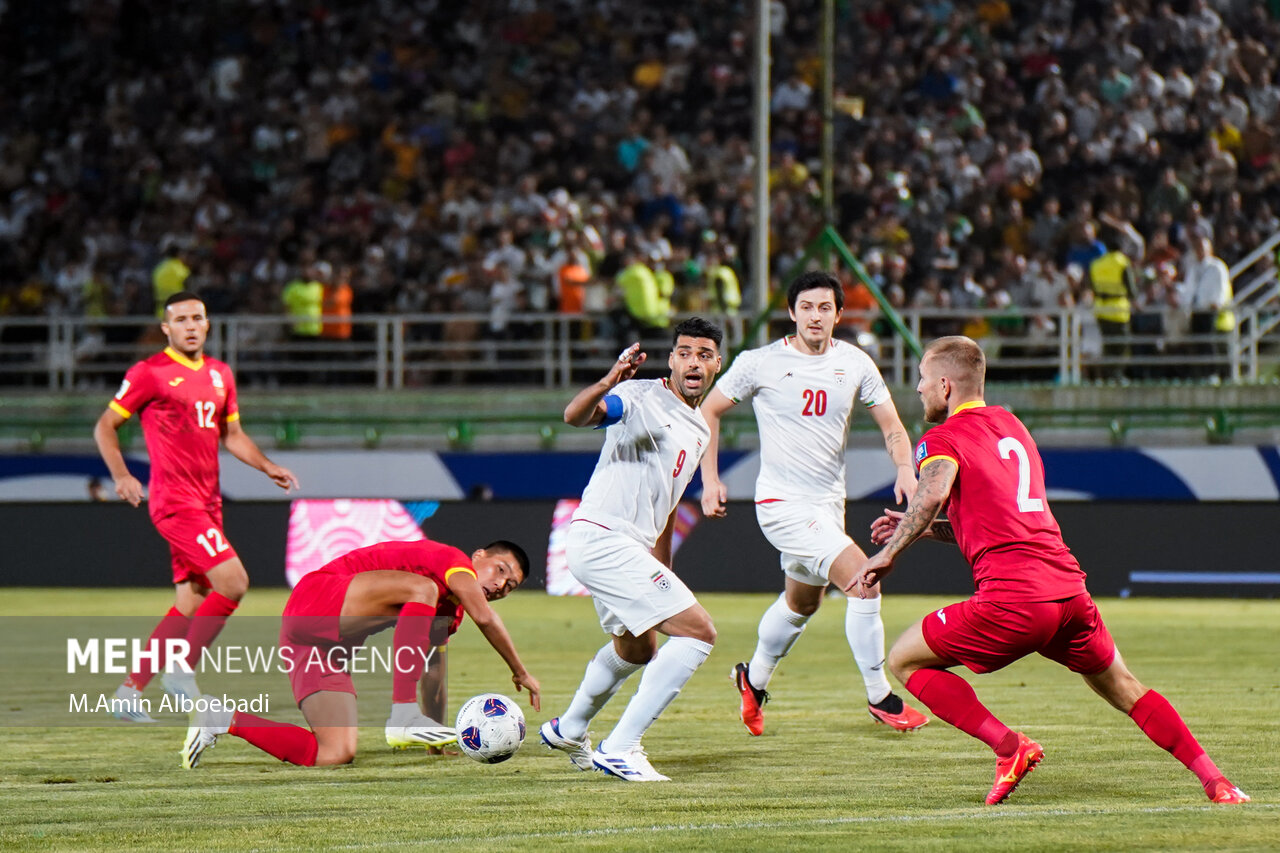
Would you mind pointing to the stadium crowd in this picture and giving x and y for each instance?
(280, 156)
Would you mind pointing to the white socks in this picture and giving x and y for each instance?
(605, 674)
(865, 631)
(779, 629)
(664, 676)
(409, 714)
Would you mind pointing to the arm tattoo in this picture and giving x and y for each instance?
(896, 442)
(935, 486)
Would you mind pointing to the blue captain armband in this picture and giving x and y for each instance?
(612, 411)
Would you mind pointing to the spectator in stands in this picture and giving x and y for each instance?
(1206, 287)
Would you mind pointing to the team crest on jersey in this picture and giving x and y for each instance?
(216, 378)
(839, 376)
(921, 453)
(660, 581)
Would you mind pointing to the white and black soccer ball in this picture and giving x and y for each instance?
(490, 728)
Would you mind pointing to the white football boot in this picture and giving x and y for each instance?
(633, 766)
(579, 751)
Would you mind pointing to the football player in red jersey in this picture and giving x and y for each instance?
(186, 402)
(981, 464)
(420, 587)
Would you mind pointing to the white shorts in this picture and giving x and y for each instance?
(632, 590)
(809, 536)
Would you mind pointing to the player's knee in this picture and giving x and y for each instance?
(422, 591)
(338, 754)
(230, 580)
(900, 664)
(236, 587)
(704, 631)
(804, 608)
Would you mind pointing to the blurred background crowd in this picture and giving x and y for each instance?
(306, 156)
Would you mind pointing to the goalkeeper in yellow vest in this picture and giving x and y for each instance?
(1112, 281)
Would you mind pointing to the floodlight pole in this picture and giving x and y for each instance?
(760, 147)
(828, 121)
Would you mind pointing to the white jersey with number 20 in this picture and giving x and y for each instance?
(803, 404)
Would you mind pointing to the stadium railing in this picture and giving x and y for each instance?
(388, 352)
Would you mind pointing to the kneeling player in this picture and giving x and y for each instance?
(335, 608)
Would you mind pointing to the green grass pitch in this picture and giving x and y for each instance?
(823, 776)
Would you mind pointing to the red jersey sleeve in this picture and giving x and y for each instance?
(232, 410)
(136, 390)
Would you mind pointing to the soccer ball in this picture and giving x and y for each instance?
(490, 728)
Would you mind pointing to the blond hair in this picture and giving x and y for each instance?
(961, 360)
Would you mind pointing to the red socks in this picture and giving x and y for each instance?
(1163, 724)
(951, 698)
(207, 623)
(285, 741)
(409, 647)
(173, 626)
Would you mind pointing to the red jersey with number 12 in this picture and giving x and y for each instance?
(998, 509)
(184, 407)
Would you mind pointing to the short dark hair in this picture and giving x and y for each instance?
(696, 327)
(813, 281)
(181, 296)
(509, 547)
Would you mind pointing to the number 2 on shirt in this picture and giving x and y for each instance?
(1026, 503)
(815, 402)
(205, 414)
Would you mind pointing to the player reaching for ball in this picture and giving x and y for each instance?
(619, 548)
(982, 465)
(187, 405)
(332, 610)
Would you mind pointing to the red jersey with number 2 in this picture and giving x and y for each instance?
(998, 507)
(184, 407)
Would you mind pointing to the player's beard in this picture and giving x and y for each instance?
(683, 392)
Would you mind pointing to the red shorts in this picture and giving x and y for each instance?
(196, 543)
(989, 635)
(311, 638)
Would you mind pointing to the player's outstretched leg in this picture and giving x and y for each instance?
(568, 732)
(691, 635)
(1162, 723)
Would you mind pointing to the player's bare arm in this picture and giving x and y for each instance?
(714, 493)
(662, 548)
(241, 446)
(105, 435)
(587, 406)
(471, 596)
(936, 480)
(898, 446)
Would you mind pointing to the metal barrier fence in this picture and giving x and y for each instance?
(558, 350)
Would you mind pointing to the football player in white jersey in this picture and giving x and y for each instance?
(619, 547)
(803, 389)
